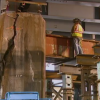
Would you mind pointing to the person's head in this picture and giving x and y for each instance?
(76, 21)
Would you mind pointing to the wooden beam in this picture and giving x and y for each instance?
(73, 82)
(86, 60)
(69, 70)
(29, 2)
(74, 70)
(55, 92)
(58, 94)
(56, 75)
(77, 82)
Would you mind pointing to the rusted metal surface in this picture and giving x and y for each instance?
(62, 46)
(97, 50)
(86, 60)
(59, 46)
(87, 46)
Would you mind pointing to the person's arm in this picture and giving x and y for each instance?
(72, 30)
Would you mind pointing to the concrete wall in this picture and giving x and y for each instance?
(70, 10)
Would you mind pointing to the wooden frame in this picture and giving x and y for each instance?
(29, 2)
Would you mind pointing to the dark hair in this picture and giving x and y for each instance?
(76, 20)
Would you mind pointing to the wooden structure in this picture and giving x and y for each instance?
(87, 63)
(97, 56)
(24, 68)
(28, 2)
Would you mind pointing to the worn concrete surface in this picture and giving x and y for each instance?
(24, 68)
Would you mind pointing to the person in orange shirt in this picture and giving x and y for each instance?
(77, 34)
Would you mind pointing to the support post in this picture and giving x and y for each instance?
(68, 93)
(49, 88)
(85, 83)
(98, 74)
(95, 97)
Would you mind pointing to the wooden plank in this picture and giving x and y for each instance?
(69, 70)
(58, 94)
(73, 82)
(55, 92)
(74, 70)
(86, 60)
(56, 75)
(77, 82)
(29, 2)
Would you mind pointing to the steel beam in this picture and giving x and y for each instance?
(61, 30)
(70, 19)
(64, 24)
(65, 1)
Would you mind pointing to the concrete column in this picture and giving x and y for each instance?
(25, 64)
(68, 93)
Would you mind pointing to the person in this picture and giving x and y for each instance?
(23, 7)
(77, 34)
